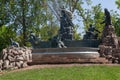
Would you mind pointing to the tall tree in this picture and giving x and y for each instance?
(4, 14)
(26, 15)
(97, 18)
(116, 18)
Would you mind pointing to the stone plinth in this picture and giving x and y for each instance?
(66, 55)
(110, 45)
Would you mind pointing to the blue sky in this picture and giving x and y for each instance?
(109, 4)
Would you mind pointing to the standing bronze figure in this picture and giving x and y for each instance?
(107, 19)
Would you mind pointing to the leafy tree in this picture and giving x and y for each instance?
(26, 16)
(5, 37)
(97, 18)
(116, 18)
(118, 3)
(4, 14)
(77, 36)
(93, 15)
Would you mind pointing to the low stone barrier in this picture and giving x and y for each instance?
(15, 57)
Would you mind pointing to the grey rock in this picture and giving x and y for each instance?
(10, 58)
(20, 58)
(6, 64)
(18, 64)
(24, 64)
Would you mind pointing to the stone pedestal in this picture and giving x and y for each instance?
(110, 44)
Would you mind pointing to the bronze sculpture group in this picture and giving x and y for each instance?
(66, 33)
(90, 34)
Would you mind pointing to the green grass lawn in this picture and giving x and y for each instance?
(69, 73)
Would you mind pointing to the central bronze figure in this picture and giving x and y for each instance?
(66, 25)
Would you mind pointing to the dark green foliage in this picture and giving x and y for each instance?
(48, 32)
(5, 34)
(117, 27)
(117, 19)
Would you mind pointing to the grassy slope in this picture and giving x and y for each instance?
(70, 73)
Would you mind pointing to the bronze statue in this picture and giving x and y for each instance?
(90, 34)
(56, 42)
(107, 19)
(32, 36)
(66, 25)
(34, 39)
(14, 43)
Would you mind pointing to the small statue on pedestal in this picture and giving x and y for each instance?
(90, 34)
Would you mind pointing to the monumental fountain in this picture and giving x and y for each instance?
(63, 48)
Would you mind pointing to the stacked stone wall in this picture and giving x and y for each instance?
(15, 57)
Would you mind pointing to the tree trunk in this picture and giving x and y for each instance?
(23, 23)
